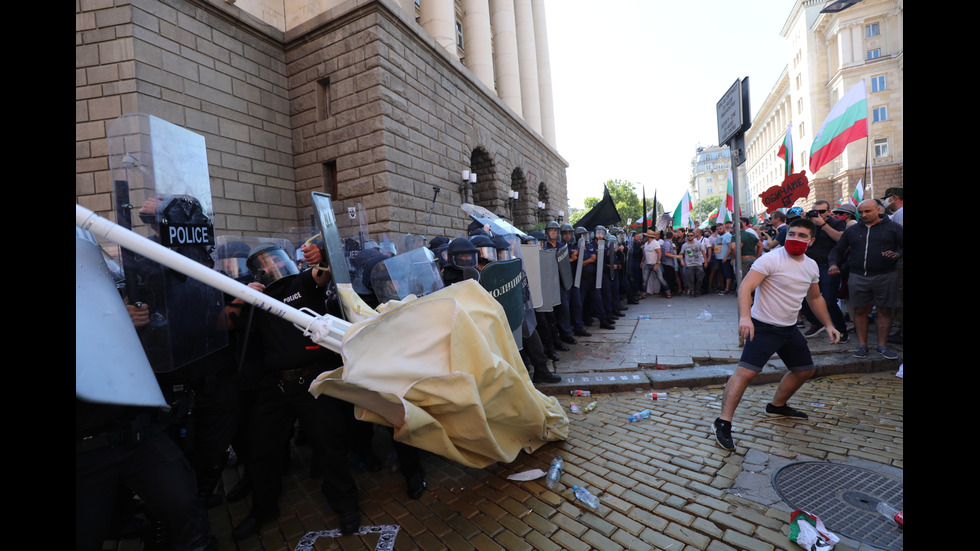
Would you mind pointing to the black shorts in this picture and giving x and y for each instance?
(786, 342)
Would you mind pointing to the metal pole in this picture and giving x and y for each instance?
(325, 330)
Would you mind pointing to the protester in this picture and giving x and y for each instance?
(694, 260)
(651, 259)
(872, 249)
(779, 281)
(828, 230)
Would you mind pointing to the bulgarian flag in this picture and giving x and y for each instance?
(847, 122)
(712, 218)
(858, 194)
(726, 211)
(786, 150)
(682, 214)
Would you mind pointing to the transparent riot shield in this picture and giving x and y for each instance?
(498, 226)
(532, 268)
(579, 262)
(327, 222)
(600, 262)
(352, 227)
(550, 280)
(412, 273)
(564, 267)
(160, 171)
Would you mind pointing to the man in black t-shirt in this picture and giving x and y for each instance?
(828, 232)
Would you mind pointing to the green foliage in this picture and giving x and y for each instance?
(705, 205)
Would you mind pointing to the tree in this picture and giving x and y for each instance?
(704, 207)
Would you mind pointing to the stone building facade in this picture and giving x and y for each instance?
(827, 54)
(358, 101)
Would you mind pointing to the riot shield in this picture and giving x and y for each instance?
(564, 267)
(411, 273)
(611, 245)
(410, 242)
(498, 225)
(550, 280)
(160, 170)
(600, 262)
(333, 247)
(110, 364)
(579, 262)
(531, 256)
(503, 280)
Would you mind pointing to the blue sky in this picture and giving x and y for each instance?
(652, 72)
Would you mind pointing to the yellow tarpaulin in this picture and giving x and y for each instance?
(444, 371)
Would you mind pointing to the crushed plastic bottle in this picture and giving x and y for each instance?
(554, 473)
(581, 393)
(645, 414)
(704, 315)
(574, 407)
(891, 513)
(656, 395)
(590, 407)
(585, 497)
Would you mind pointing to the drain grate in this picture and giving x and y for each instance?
(844, 498)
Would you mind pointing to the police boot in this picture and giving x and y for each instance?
(542, 375)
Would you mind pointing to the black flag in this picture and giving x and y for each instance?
(645, 209)
(603, 214)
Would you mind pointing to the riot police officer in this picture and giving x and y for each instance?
(290, 365)
(562, 310)
(592, 301)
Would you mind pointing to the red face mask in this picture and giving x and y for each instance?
(796, 247)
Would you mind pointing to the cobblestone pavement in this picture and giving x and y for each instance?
(663, 482)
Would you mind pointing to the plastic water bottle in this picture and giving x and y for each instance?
(656, 395)
(574, 407)
(890, 512)
(591, 406)
(640, 415)
(581, 393)
(585, 497)
(554, 473)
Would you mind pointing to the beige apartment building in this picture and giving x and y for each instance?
(372, 101)
(827, 54)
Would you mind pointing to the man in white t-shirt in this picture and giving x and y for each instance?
(651, 258)
(780, 279)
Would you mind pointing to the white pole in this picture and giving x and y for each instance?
(325, 330)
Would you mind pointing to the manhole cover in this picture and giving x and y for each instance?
(845, 498)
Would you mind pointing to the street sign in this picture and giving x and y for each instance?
(732, 111)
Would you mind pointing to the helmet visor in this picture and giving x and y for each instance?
(273, 265)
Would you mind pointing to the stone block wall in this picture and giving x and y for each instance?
(404, 117)
(359, 103)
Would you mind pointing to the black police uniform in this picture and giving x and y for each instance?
(128, 446)
(292, 361)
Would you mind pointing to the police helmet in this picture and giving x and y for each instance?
(462, 253)
(270, 263)
(232, 260)
(580, 231)
(503, 248)
(600, 233)
(485, 247)
(553, 225)
(437, 242)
